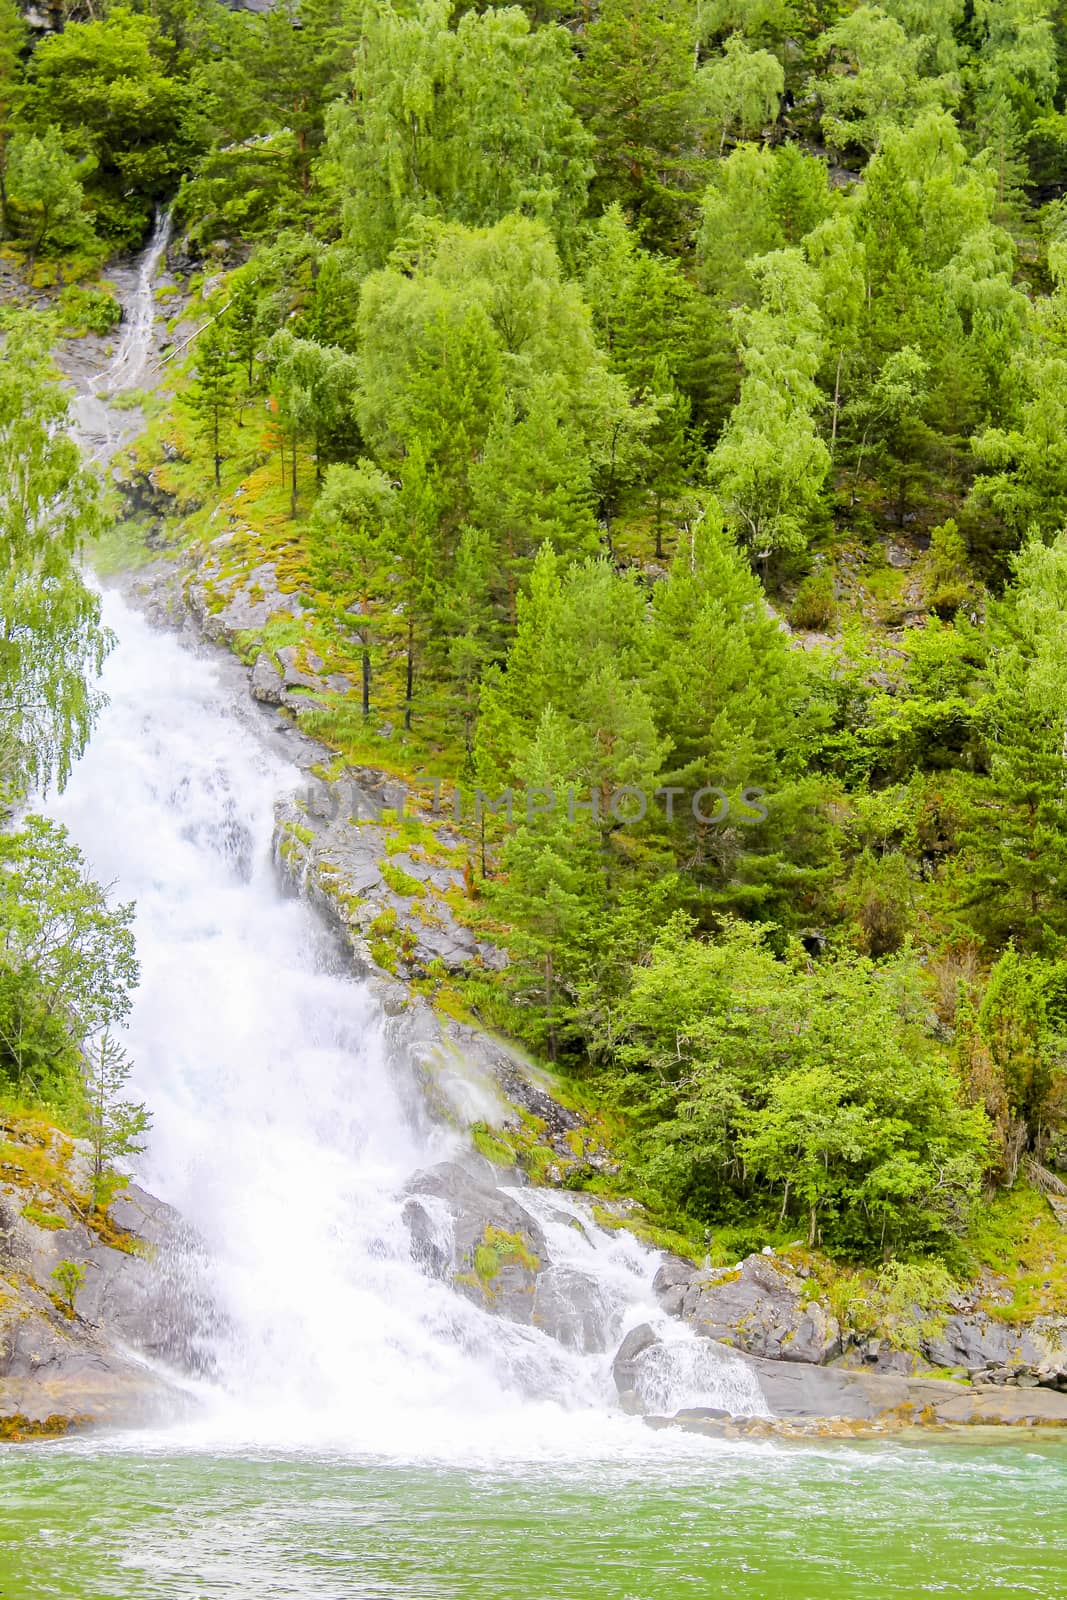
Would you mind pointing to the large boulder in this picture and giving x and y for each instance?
(761, 1307)
(625, 1369)
(471, 1234)
(977, 1342)
(63, 1365)
(137, 1290)
(571, 1306)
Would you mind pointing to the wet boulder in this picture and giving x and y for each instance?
(478, 1238)
(571, 1307)
(977, 1342)
(760, 1307)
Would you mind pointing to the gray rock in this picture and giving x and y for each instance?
(571, 1307)
(484, 1221)
(268, 685)
(312, 674)
(624, 1368)
(759, 1308)
(672, 1283)
(140, 1294)
(978, 1341)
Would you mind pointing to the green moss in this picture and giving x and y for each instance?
(490, 1146)
(502, 1249)
(401, 882)
(384, 923)
(486, 1264)
(44, 1219)
(17, 1428)
(384, 955)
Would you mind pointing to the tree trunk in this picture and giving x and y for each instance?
(837, 403)
(366, 679)
(292, 497)
(548, 1006)
(409, 691)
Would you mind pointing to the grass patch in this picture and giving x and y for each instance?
(401, 882)
(44, 1219)
(493, 1148)
(1017, 1237)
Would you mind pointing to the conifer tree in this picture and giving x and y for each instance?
(210, 396)
(350, 554)
(639, 96)
(1014, 865)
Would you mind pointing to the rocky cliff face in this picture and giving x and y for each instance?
(134, 1310)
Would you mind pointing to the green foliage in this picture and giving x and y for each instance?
(210, 395)
(814, 605)
(51, 641)
(555, 357)
(467, 123)
(116, 1127)
(69, 1277)
(821, 1085)
(641, 99)
(742, 89)
(89, 310)
(104, 84)
(44, 193)
(769, 465)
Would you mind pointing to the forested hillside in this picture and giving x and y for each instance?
(659, 410)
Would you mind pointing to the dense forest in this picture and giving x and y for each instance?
(662, 408)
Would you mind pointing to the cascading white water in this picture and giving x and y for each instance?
(127, 368)
(282, 1130)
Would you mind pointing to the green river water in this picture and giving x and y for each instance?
(851, 1522)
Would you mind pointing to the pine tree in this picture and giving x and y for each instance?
(350, 554)
(726, 687)
(211, 394)
(116, 1127)
(640, 97)
(1014, 863)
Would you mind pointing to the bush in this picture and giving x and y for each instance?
(38, 1059)
(89, 310)
(815, 1090)
(815, 606)
(945, 574)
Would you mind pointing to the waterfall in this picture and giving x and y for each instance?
(282, 1124)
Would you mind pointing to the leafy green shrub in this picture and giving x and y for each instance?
(815, 606)
(945, 572)
(89, 310)
(815, 1089)
(69, 1277)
